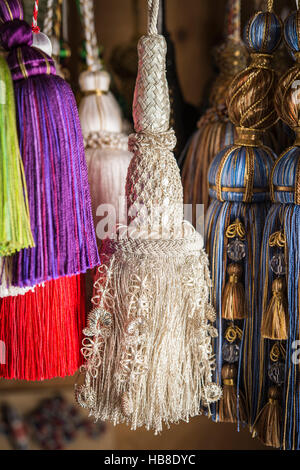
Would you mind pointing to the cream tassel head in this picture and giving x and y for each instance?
(100, 114)
(147, 346)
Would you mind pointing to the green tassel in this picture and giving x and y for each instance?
(15, 230)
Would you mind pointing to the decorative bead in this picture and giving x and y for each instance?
(276, 373)
(277, 264)
(231, 353)
(43, 43)
(212, 392)
(236, 250)
(264, 32)
(292, 31)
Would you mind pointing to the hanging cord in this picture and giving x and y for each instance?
(58, 19)
(233, 23)
(35, 28)
(153, 9)
(48, 20)
(297, 4)
(91, 43)
(270, 5)
(65, 16)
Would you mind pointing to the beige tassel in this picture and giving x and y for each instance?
(233, 305)
(148, 345)
(106, 145)
(228, 403)
(275, 319)
(267, 424)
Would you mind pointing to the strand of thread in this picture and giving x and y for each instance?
(58, 18)
(153, 10)
(91, 43)
(233, 26)
(35, 27)
(48, 21)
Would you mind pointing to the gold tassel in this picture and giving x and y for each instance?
(228, 403)
(267, 424)
(233, 305)
(275, 319)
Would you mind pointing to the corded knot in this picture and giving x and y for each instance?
(261, 61)
(162, 141)
(35, 29)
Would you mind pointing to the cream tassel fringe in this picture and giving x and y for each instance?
(156, 359)
(148, 348)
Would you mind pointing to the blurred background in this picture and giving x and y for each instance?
(44, 416)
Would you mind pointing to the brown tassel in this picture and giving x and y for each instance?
(233, 305)
(267, 424)
(228, 403)
(275, 319)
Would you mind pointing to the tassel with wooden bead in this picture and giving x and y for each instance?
(275, 322)
(267, 426)
(231, 404)
(239, 188)
(233, 306)
(280, 259)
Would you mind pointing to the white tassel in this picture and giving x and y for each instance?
(147, 345)
(106, 145)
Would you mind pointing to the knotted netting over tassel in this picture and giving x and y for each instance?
(239, 188)
(147, 345)
(277, 423)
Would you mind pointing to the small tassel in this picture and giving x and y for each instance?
(233, 306)
(228, 407)
(275, 320)
(267, 424)
(15, 230)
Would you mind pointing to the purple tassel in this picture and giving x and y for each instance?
(52, 148)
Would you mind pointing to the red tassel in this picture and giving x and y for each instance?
(41, 331)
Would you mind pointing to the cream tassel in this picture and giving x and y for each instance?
(147, 346)
(101, 119)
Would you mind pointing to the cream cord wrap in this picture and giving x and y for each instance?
(48, 20)
(91, 43)
(147, 347)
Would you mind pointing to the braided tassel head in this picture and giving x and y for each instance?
(148, 343)
(153, 179)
